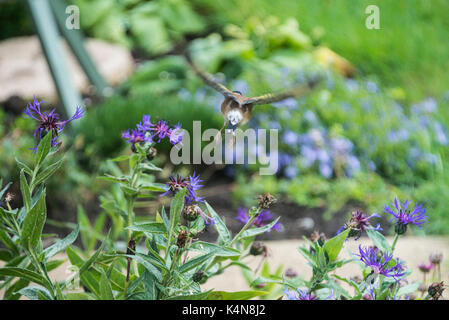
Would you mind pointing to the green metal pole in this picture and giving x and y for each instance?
(75, 40)
(51, 44)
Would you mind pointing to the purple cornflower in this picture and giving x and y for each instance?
(299, 295)
(379, 263)
(49, 122)
(264, 218)
(176, 135)
(135, 136)
(403, 217)
(192, 184)
(146, 124)
(161, 130)
(358, 223)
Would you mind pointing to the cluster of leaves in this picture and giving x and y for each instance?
(128, 22)
(147, 259)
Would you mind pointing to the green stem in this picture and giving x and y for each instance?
(246, 226)
(395, 240)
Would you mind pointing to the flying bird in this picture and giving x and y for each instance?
(236, 108)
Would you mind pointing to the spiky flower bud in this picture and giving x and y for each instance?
(191, 212)
(317, 236)
(266, 200)
(435, 290)
(257, 248)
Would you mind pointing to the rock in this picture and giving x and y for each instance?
(25, 72)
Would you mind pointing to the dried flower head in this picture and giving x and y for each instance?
(436, 290)
(182, 238)
(436, 257)
(198, 276)
(318, 236)
(266, 200)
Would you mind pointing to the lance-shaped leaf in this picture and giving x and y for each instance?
(256, 231)
(176, 207)
(43, 149)
(223, 231)
(334, 245)
(62, 244)
(34, 223)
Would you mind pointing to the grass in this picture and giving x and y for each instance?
(409, 50)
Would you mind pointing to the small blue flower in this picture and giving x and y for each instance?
(299, 295)
(48, 122)
(379, 263)
(404, 217)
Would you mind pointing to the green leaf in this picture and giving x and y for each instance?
(105, 288)
(220, 226)
(379, 240)
(151, 227)
(44, 148)
(24, 167)
(239, 295)
(34, 223)
(62, 244)
(23, 274)
(197, 296)
(149, 166)
(219, 251)
(25, 189)
(192, 263)
(256, 231)
(47, 172)
(408, 289)
(150, 286)
(35, 293)
(334, 245)
(84, 223)
(80, 296)
(120, 158)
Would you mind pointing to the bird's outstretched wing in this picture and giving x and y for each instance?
(294, 92)
(209, 79)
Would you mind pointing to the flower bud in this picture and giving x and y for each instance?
(199, 277)
(400, 228)
(257, 248)
(191, 212)
(290, 273)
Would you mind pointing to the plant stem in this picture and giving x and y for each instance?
(246, 226)
(396, 237)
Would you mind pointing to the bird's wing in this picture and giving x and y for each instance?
(294, 92)
(209, 80)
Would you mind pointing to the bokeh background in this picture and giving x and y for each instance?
(377, 129)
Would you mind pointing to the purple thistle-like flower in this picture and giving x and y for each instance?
(299, 295)
(264, 218)
(49, 122)
(146, 124)
(403, 217)
(135, 136)
(161, 130)
(379, 263)
(358, 223)
(192, 184)
(176, 134)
